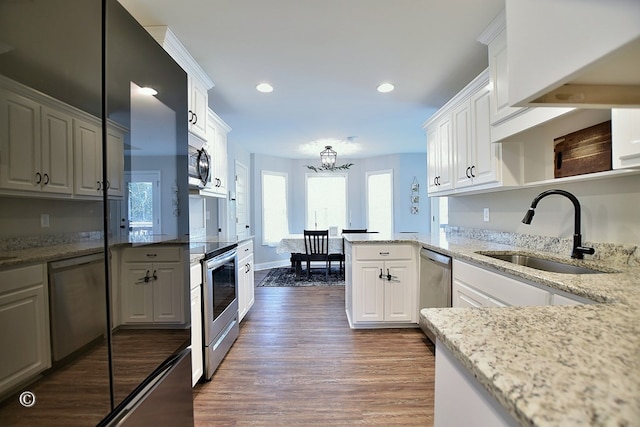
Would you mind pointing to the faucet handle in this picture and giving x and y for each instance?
(579, 251)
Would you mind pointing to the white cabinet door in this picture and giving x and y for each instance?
(197, 363)
(168, 296)
(137, 293)
(88, 158)
(57, 152)
(20, 142)
(432, 159)
(220, 161)
(246, 291)
(198, 105)
(217, 143)
(153, 293)
(115, 162)
(445, 182)
(553, 43)
(463, 158)
(377, 299)
(368, 292)
(399, 292)
(625, 135)
(499, 81)
(439, 155)
(486, 157)
(24, 325)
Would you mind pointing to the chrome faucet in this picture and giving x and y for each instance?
(578, 250)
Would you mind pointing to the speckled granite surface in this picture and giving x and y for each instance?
(549, 365)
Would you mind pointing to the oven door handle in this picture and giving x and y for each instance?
(220, 260)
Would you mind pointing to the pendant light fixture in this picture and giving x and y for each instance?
(328, 158)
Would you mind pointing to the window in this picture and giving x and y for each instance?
(275, 220)
(326, 201)
(380, 201)
(143, 203)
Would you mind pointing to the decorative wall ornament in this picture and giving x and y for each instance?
(328, 158)
(415, 196)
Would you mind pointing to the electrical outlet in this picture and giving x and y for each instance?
(44, 220)
(486, 214)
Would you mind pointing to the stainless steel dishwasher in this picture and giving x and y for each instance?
(435, 282)
(77, 303)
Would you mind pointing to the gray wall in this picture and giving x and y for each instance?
(610, 210)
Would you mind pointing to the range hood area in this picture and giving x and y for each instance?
(573, 53)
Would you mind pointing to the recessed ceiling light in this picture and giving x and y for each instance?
(149, 91)
(386, 87)
(264, 88)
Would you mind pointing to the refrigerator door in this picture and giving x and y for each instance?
(164, 399)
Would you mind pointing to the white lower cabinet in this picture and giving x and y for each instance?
(197, 346)
(474, 286)
(456, 388)
(152, 291)
(381, 285)
(246, 283)
(24, 325)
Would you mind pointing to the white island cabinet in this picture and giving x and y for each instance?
(152, 285)
(381, 285)
(24, 325)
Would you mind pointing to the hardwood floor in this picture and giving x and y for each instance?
(297, 363)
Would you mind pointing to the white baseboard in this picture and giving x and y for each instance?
(287, 263)
(272, 264)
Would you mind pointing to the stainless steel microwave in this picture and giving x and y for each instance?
(199, 167)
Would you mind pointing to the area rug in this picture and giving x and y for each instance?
(286, 277)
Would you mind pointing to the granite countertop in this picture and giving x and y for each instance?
(547, 365)
(57, 251)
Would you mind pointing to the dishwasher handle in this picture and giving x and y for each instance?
(441, 259)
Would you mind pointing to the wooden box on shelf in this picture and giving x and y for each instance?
(585, 151)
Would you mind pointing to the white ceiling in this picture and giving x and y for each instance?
(325, 59)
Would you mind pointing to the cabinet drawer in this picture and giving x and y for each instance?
(499, 287)
(383, 252)
(152, 254)
(21, 277)
(245, 248)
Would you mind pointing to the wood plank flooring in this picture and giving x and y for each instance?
(297, 363)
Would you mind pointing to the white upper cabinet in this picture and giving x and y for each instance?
(198, 106)
(505, 119)
(461, 156)
(476, 158)
(625, 135)
(573, 53)
(439, 152)
(198, 81)
(217, 131)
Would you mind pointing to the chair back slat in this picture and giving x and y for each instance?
(316, 242)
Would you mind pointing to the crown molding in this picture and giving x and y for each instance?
(170, 42)
(494, 28)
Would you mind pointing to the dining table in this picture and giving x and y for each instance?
(294, 243)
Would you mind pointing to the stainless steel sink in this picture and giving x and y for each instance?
(541, 263)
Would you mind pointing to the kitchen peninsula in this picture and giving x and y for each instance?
(543, 365)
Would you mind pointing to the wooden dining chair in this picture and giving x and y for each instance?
(316, 245)
(340, 257)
